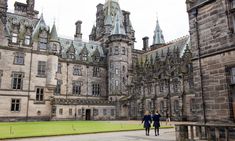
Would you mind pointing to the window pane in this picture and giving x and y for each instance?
(27, 40)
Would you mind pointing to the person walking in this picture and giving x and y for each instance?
(147, 120)
(156, 122)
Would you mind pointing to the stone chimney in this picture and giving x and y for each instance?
(78, 34)
(146, 43)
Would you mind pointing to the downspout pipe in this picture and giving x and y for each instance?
(195, 13)
(30, 76)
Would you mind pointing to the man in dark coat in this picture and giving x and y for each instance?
(147, 122)
(156, 122)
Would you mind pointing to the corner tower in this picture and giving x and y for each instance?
(119, 60)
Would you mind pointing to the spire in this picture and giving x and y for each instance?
(54, 35)
(118, 25)
(158, 37)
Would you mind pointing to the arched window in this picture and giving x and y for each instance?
(162, 107)
(176, 106)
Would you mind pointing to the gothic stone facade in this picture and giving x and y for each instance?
(45, 77)
(212, 38)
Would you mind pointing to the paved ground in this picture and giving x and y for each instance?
(165, 135)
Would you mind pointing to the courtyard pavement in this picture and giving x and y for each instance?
(165, 135)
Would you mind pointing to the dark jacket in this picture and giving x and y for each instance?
(147, 121)
(156, 120)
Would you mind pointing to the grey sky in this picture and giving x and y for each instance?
(172, 16)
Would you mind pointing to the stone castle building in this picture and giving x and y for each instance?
(212, 30)
(46, 77)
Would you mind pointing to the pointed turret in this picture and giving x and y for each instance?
(54, 40)
(54, 35)
(158, 37)
(118, 25)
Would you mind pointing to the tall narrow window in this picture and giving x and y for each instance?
(27, 40)
(123, 51)
(1, 74)
(96, 71)
(14, 38)
(233, 75)
(15, 105)
(61, 111)
(17, 81)
(77, 70)
(57, 90)
(76, 88)
(116, 71)
(70, 112)
(19, 58)
(176, 87)
(95, 89)
(41, 68)
(104, 112)
(162, 107)
(161, 87)
(59, 68)
(116, 51)
(39, 94)
(193, 105)
(116, 83)
(176, 106)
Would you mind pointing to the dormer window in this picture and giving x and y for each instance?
(27, 40)
(43, 43)
(14, 38)
(84, 57)
(233, 75)
(71, 56)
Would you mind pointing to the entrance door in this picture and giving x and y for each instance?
(88, 114)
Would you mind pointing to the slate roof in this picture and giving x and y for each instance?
(179, 44)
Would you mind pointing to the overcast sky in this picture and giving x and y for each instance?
(172, 16)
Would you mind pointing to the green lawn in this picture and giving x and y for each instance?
(53, 128)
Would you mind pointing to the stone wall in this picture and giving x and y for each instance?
(212, 47)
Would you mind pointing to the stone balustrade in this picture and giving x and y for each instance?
(210, 132)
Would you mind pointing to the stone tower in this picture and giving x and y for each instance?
(3, 31)
(118, 61)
